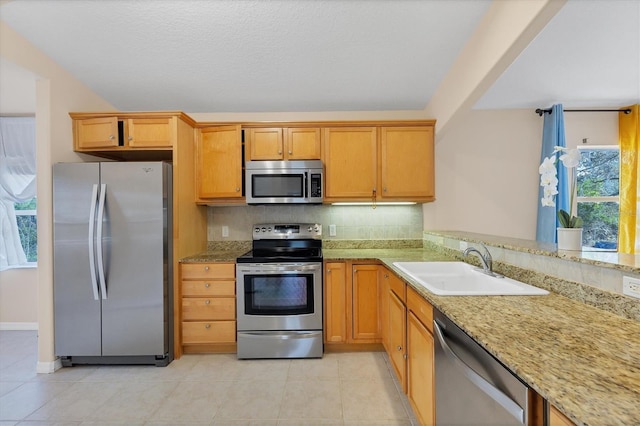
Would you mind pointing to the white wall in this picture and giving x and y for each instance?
(57, 94)
(487, 169)
(18, 299)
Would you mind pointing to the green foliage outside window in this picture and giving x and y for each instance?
(598, 176)
(27, 228)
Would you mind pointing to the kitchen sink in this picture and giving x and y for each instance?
(463, 279)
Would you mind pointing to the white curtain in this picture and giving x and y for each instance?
(17, 183)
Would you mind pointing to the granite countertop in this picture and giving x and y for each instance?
(583, 360)
(214, 256)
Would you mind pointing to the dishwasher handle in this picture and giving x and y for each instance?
(493, 392)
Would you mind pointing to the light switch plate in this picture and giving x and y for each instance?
(631, 286)
(463, 245)
(225, 231)
(332, 230)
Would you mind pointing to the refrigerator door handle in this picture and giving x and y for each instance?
(103, 285)
(91, 242)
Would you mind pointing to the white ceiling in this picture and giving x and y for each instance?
(322, 55)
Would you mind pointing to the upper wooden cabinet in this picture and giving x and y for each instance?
(350, 163)
(387, 163)
(93, 133)
(406, 163)
(115, 135)
(219, 164)
(277, 143)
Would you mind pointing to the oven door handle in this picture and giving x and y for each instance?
(280, 335)
(266, 268)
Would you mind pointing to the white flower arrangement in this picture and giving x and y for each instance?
(549, 181)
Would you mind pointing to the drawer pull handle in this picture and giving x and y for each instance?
(207, 285)
(399, 347)
(206, 302)
(206, 268)
(207, 326)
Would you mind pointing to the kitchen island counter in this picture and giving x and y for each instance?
(583, 360)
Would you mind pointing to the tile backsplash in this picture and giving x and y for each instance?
(352, 222)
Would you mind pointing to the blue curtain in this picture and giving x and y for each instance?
(552, 136)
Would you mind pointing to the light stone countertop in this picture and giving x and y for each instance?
(583, 360)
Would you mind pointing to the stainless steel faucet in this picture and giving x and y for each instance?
(486, 259)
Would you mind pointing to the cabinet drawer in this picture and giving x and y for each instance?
(208, 288)
(420, 307)
(208, 270)
(398, 287)
(208, 308)
(209, 332)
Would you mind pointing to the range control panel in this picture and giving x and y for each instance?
(287, 231)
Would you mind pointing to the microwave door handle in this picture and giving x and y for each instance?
(306, 185)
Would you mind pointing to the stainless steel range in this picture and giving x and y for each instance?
(279, 293)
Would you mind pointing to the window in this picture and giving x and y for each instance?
(598, 177)
(17, 192)
(27, 228)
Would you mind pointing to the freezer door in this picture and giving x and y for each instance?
(76, 302)
(135, 258)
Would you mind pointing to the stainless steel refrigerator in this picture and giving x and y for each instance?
(112, 263)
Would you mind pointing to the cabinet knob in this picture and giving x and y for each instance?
(399, 347)
(130, 138)
(384, 189)
(237, 189)
(290, 152)
(405, 356)
(279, 152)
(207, 302)
(207, 326)
(207, 285)
(206, 268)
(386, 275)
(111, 137)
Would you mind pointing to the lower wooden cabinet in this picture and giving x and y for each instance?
(420, 359)
(208, 308)
(393, 322)
(556, 418)
(351, 298)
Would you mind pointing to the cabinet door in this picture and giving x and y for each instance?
(407, 165)
(265, 144)
(397, 337)
(420, 375)
(150, 132)
(96, 133)
(365, 304)
(385, 287)
(219, 162)
(303, 143)
(349, 155)
(556, 418)
(335, 303)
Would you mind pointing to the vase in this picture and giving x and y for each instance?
(570, 239)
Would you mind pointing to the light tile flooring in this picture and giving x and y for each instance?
(339, 389)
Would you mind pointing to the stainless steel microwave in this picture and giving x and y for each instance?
(284, 182)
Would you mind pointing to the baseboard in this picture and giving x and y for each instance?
(18, 326)
(48, 367)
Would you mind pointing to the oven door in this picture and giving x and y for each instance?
(279, 296)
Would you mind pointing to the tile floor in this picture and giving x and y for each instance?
(339, 389)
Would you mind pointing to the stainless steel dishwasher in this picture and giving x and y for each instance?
(472, 387)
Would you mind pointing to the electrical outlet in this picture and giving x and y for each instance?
(332, 230)
(463, 245)
(225, 231)
(631, 286)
